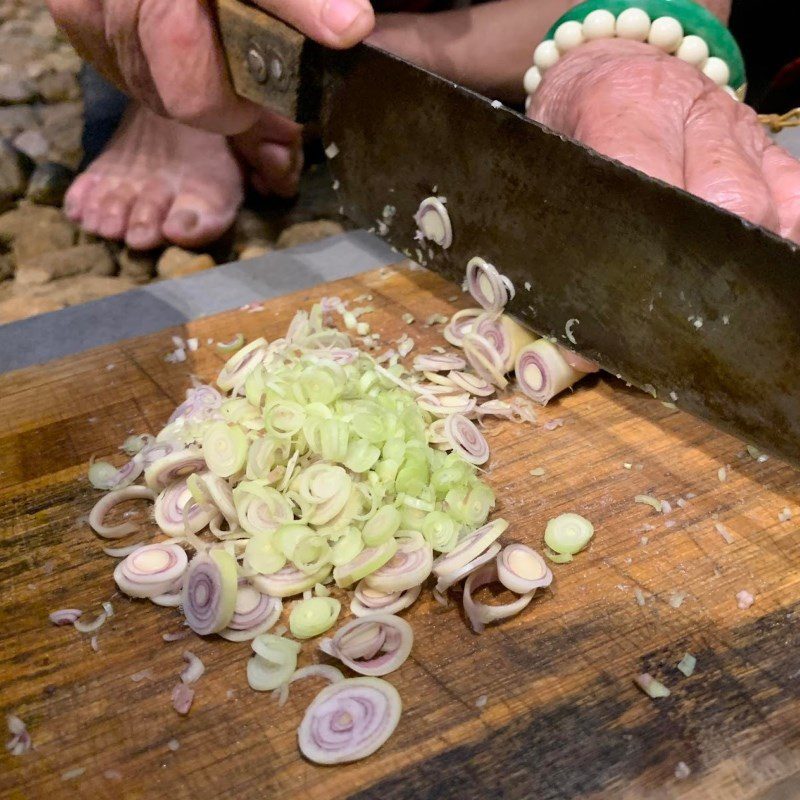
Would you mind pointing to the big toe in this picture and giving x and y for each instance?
(193, 221)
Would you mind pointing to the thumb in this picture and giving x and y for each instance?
(333, 23)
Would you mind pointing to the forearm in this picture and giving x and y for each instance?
(486, 47)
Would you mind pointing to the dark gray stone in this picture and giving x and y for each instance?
(49, 183)
(15, 168)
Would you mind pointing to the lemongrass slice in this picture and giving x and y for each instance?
(314, 616)
(224, 449)
(261, 555)
(568, 534)
(469, 548)
(177, 513)
(471, 383)
(433, 221)
(65, 616)
(221, 495)
(409, 566)
(274, 662)
(521, 569)
(348, 545)
(240, 365)
(172, 597)
(201, 403)
(349, 720)
(253, 614)
(103, 475)
(324, 671)
(485, 284)
(367, 600)
(485, 360)
(505, 335)
(136, 443)
(543, 372)
(381, 526)
(441, 530)
(392, 634)
(577, 361)
(194, 668)
(480, 614)
(173, 466)
(288, 581)
(367, 561)
(449, 579)
(461, 323)
(209, 591)
(151, 570)
(439, 362)
(105, 504)
(466, 439)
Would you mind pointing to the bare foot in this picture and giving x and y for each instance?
(157, 181)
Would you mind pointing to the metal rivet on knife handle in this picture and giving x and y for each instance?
(257, 63)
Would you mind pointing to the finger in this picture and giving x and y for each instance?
(185, 64)
(334, 23)
(610, 98)
(724, 157)
(782, 173)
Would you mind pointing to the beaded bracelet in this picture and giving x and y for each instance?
(679, 27)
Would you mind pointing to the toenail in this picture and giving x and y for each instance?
(185, 218)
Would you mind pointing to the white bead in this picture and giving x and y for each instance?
(716, 69)
(546, 55)
(693, 50)
(599, 24)
(532, 79)
(666, 33)
(568, 36)
(732, 93)
(633, 23)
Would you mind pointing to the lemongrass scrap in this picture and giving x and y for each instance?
(538, 472)
(408, 318)
(687, 664)
(785, 515)
(724, 532)
(676, 599)
(682, 771)
(649, 500)
(650, 686)
(744, 599)
(639, 595)
(722, 474)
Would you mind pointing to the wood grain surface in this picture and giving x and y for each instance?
(562, 717)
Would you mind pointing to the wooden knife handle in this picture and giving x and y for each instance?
(271, 63)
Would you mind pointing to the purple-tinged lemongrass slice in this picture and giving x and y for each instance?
(254, 613)
(441, 380)
(367, 561)
(221, 495)
(151, 570)
(367, 600)
(102, 507)
(274, 662)
(325, 671)
(485, 360)
(473, 384)
(157, 450)
(438, 362)
(289, 580)
(194, 668)
(461, 323)
(466, 439)
(521, 569)
(433, 221)
(121, 552)
(486, 284)
(177, 513)
(495, 408)
(469, 548)
(408, 567)
(105, 476)
(449, 579)
(82, 626)
(349, 720)
(209, 591)
(170, 468)
(443, 405)
(65, 616)
(392, 635)
(240, 365)
(481, 614)
(543, 372)
(182, 697)
(506, 335)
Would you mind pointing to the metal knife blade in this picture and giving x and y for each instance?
(670, 293)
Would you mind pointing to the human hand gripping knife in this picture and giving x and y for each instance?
(670, 293)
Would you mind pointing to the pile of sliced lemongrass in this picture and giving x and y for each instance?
(309, 465)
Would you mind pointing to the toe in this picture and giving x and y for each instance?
(277, 169)
(192, 222)
(147, 216)
(114, 212)
(77, 193)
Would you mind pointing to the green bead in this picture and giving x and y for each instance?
(694, 18)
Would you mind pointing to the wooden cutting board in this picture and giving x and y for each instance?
(541, 706)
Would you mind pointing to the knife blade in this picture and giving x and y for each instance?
(669, 293)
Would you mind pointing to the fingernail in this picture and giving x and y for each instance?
(185, 218)
(339, 15)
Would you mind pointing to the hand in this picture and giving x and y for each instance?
(165, 53)
(660, 115)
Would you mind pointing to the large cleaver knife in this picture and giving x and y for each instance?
(672, 294)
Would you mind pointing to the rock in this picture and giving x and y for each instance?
(138, 265)
(44, 25)
(251, 227)
(15, 87)
(32, 143)
(49, 183)
(15, 167)
(57, 87)
(6, 267)
(62, 126)
(254, 251)
(175, 262)
(30, 300)
(20, 46)
(78, 260)
(15, 119)
(306, 232)
(31, 230)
